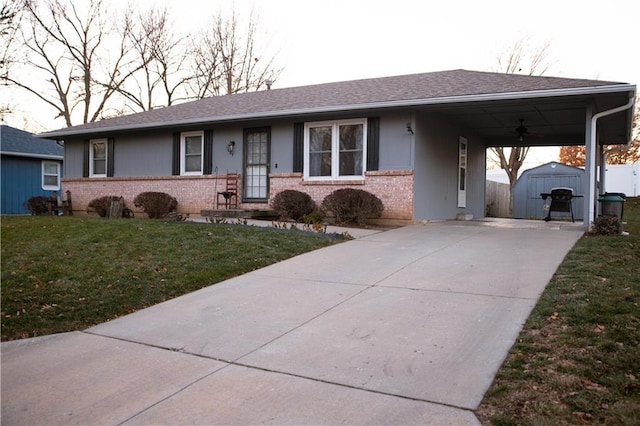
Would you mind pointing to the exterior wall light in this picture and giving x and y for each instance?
(231, 146)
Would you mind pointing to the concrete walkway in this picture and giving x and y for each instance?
(407, 326)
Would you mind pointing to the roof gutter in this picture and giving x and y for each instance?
(353, 107)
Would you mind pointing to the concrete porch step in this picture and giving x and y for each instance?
(240, 213)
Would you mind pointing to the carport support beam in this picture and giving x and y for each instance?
(590, 164)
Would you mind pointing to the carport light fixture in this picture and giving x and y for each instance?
(231, 146)
(409, 129)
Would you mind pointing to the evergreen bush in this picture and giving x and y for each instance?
(292, 204)
(352, 205)
(37, 204)
(157, 205)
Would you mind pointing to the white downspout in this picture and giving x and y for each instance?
(592, 157)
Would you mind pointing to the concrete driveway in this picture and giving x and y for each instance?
(407, 326)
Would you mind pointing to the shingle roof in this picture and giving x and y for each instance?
(335, 96)
(18, 142)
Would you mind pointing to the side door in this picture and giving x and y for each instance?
(462, 172)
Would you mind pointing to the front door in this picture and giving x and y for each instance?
(256, 165)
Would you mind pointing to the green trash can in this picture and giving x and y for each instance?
(612, 205)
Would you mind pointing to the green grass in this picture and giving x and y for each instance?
(68, 273)
(577, 359)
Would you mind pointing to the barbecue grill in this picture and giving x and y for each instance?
(560, 201)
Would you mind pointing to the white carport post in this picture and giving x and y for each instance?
(590, 169)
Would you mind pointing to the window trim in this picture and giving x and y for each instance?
(183, 163)
(93, 142)
(335, 149)
(57, 175)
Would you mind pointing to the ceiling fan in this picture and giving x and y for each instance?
(521, 131)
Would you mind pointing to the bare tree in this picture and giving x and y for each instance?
(9, 17)
(9, 22)
(227, 59)
(161, 55)
(520, 58)
(87, 64)
(75, 61)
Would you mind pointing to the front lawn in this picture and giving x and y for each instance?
(69, 273)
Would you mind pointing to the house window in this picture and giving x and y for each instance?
(50, 175)
(98, 158)
(191, 149)
(335, 150)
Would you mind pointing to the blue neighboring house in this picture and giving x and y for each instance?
(30, 166)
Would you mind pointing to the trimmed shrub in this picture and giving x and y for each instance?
(101, 205)
(352, 205)
(157, 205)
(606, 225)
(292, 204)
(37, 204)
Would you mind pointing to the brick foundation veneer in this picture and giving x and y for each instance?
(393, 187)
(196, 193)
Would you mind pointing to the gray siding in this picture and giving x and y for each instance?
(224, 162)
(73, 158)
(395, 142)
(436, 169)
(282, 148)
(146, 154)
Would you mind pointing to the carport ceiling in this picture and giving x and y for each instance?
(549, 121)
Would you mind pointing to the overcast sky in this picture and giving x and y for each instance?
(329, 40)
(334, 40)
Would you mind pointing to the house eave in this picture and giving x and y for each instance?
(406, 103)
(32, 155)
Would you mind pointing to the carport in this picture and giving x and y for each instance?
(594, 116)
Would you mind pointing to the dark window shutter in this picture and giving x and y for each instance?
(175, 167)
(85, 159)
(110, 156)
(373, 143)
(298, 147)
(208, 152)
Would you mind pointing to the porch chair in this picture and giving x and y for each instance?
(67, 206)
(230, 194)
